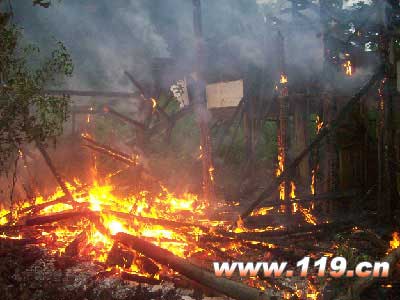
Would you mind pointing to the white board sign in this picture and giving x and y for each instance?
(224, 94)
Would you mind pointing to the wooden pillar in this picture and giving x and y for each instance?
(200, 106)
(301, 137)
(388, 197)
(283, 102)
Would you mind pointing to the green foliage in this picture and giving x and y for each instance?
(26, 113)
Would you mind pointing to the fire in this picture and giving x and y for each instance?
(395, 242)
(262, 211)
(348, 68)
(211, 172)
(279, 171)
(319, 124)
(108, 214)
(239, 226)
(153, 103)
(88, 118)
(312, 292)
(293, 196)
(308, 216)
(292, 190)
(284, 79)
(312, 186)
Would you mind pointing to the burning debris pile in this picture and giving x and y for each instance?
(101, 244)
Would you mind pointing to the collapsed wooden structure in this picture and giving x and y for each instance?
(346, 159)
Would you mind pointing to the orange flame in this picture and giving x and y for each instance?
(284, 79)
(319, 123)
(395, 242)
(154, 103)
(348, 68)
(279, 171)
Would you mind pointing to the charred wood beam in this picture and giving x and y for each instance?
(154, 221)
(157, 128)
(109, 151)
(57, 217)
(54, 171)
(108, 109)
(138, 85)
(90, 93)
(125, 160)
(324, 132)
(225, 286)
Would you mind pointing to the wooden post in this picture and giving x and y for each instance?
(283, 99)
(330, 168)
(200, 106)
(301, 137)
(388, 197)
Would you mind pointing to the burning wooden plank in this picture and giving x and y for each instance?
(228, 287)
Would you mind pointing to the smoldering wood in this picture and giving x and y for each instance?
(324, 132)
(361, 284)
(139, 279)
(74, 248)
(225, 286)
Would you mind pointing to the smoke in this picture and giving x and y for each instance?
(107, 37)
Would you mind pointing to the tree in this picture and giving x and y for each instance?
(26, 113)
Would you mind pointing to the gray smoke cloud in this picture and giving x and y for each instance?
(107, 37)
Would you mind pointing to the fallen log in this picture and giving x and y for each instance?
(225, 286)
(56, 217)
(355, 290)
(53, 170)
(324, 132)
(154, 221)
